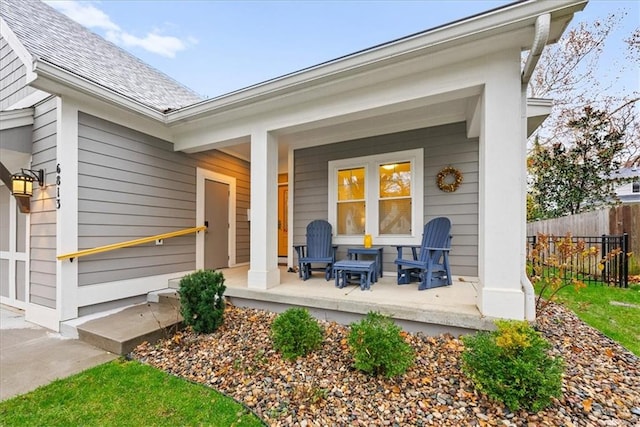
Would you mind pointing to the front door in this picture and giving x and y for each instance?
(216, 217)
(283, 206)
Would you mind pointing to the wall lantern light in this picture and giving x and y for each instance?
(22, 182)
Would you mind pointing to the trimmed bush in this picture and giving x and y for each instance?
(378, 346)
(201, 300)
(295, 333)
(512, 365)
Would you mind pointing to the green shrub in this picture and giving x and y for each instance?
(295, 333)
(378, 346)
(201, 300)
(512, 365)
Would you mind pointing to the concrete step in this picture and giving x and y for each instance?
(167, 296)
(121, 332)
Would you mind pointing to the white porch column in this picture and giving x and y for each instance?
(263, 270)
(67, 213)
(500, 200)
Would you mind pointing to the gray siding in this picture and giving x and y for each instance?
(132, 185)
(443, 146)
(43, 210)
(12, 77)
(225, 164)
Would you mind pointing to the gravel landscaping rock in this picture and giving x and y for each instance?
(601, 385)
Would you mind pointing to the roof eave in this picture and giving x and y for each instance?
(53, 79)
(468, 30)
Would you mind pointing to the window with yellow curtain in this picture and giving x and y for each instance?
(380, 194)
(351, 201)
(394, 198)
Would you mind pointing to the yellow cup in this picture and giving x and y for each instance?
(367, 241)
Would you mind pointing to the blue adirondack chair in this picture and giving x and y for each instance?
(318, 250)
(429, 262)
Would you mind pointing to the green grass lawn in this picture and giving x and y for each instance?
(124, 393)
(613, 311)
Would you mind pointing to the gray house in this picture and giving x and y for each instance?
(129, 154)
(630, 191)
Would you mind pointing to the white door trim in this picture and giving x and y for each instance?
(12, 256)
(201, 176)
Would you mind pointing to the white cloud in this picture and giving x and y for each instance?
(87, 14)
(162, 45)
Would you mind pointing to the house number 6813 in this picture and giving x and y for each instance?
(58, 186)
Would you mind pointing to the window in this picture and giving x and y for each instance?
(381, 195)
(636, 187)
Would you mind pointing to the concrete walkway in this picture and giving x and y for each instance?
(31, 356)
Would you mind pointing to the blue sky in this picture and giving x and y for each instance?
(215, 47)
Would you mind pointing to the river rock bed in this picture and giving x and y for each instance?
(601, 384)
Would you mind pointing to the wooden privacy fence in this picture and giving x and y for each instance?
(609, 263)
(615, 220)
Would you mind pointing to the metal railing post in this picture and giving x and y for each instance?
(625, 261)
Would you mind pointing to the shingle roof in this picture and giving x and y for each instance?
(49, 35)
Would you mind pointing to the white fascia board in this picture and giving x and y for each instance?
(30, 100)
(538, 109)
(18, 48)
(509, 18)
(16, 118)
(48, 72)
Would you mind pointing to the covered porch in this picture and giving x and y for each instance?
(450, 309)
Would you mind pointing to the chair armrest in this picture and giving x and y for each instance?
(438, 249)
(414, 250)
(300, 250)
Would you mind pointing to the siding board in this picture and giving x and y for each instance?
(133, 185)
(12, 77)
(443, 146)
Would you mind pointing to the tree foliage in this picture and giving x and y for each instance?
(569, 179)
(594, 127)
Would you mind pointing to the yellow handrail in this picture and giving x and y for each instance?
(128, 243)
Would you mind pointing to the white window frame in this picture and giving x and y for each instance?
(372, 184)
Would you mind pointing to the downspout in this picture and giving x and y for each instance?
(543, 24)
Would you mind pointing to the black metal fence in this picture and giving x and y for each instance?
(594, 258)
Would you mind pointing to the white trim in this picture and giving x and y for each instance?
(67, 214)
(13, 237)
(201, 176)
(370, 163)
(30, 100)
(43, 316)
(18, 256)
(12, 256)
(111, 291)
(19, 49)
(16, 118)
(290, 160)
(27, 264)
(13, 303)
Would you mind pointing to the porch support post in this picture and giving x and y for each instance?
(500, 201)
(67, 213)
(263, 270)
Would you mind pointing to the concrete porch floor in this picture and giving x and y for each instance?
(449, 309)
